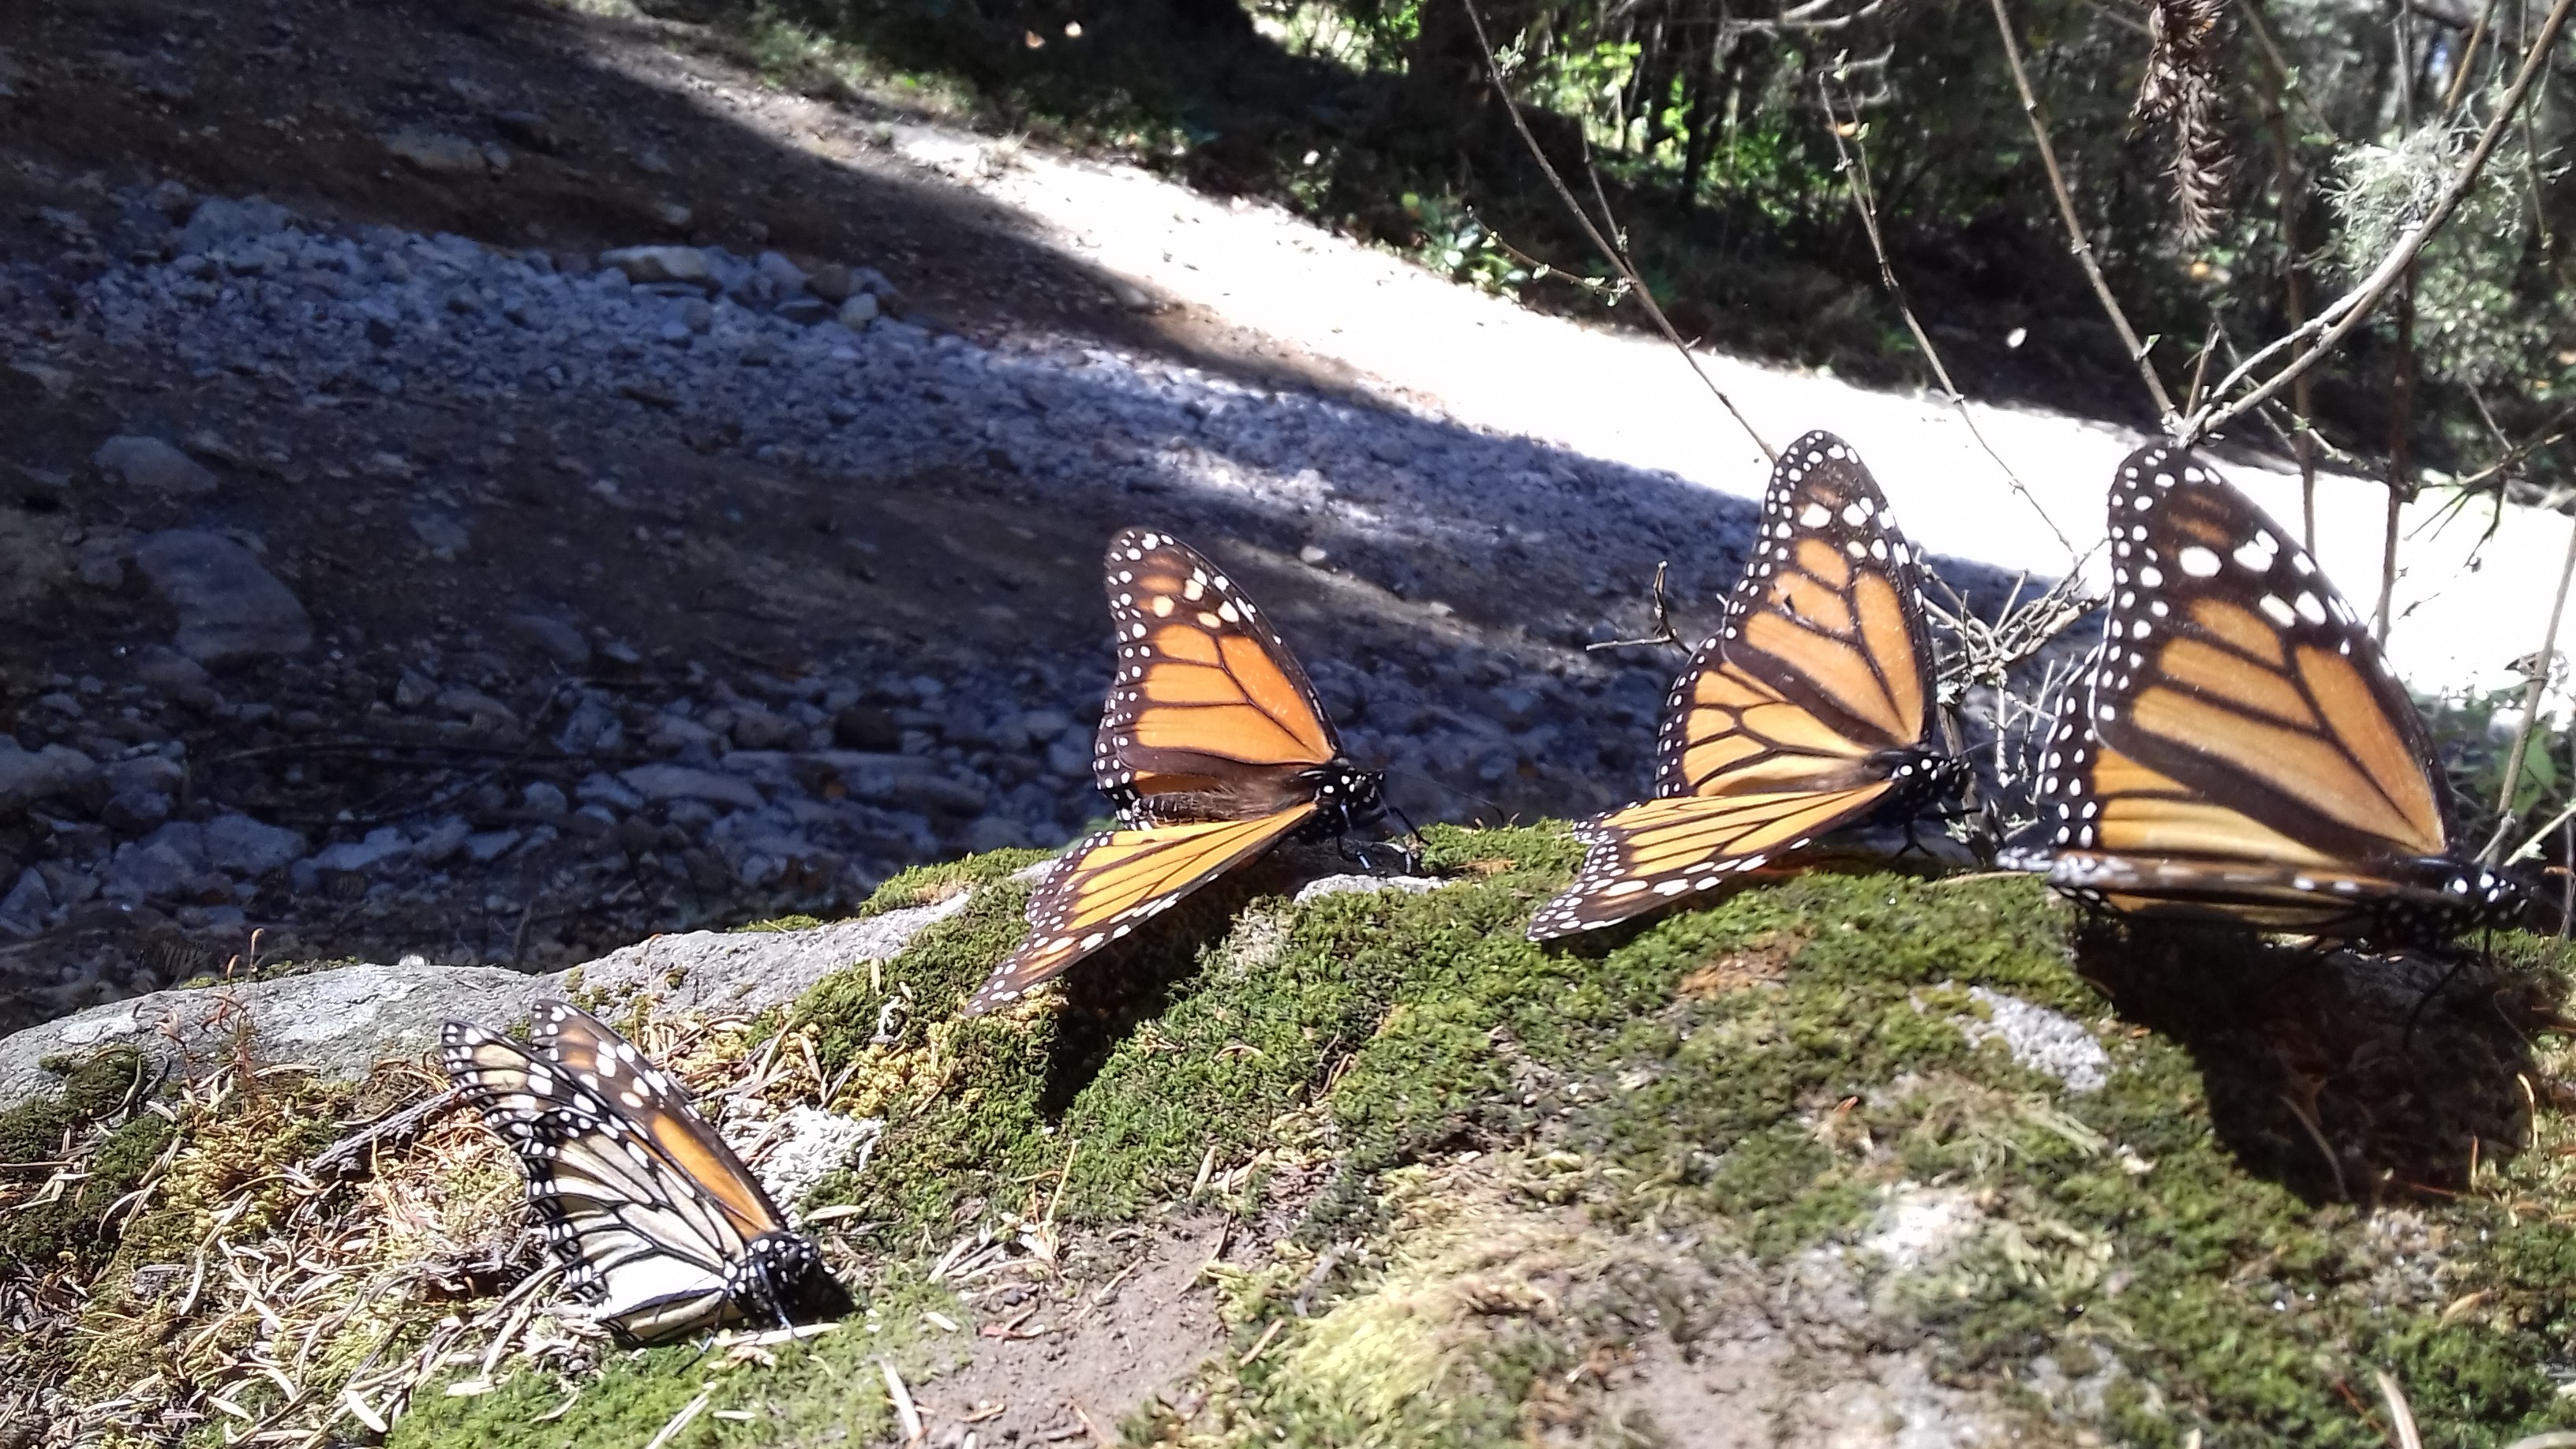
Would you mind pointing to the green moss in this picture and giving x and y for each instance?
(920, 885)
(1754, 1077)
(828, 1389)
(65, 1127)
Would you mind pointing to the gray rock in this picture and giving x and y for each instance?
(476, 706)
(751, 971)
(443, 534)
(1044, 724)
(2039, 1039)
(23, 910)
(938, 793)
(545, 801)
(784, 275)
(341, 1023)
(805, 312)
(661, 264)
(166, 668)
(238, 845)
(157, 865)
(758, 729)
(146, 772)
(1341, 885)
(528, 128)
(831, 282)
(491, 846)
(151, 463)
(996, 832)
(442, 842)
(414, 689)
(229, 607)
(562, 642)
(858, 311)
(592, 726)
(219, 221)
(29, 776)
(132, 812)
(437, 153)
(337, 1023)
(661, 783)
(606, 790)
(381, 845)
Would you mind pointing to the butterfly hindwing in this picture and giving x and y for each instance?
(2239, 747)
(1112, 882)
(1809, 708)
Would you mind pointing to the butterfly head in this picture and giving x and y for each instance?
(1349, 797)
(782, 1276)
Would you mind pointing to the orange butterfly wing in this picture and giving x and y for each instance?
(1110, 883)
(2239, 748)
(1811, 706)
(1208, 701)
(660, 1107)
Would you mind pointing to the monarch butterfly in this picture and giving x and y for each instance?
(2238, 748)
(660, 1226)
(1811, 706)
(1212, 746)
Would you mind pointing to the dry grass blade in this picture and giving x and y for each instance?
(1664, 635)
(2401, 1417)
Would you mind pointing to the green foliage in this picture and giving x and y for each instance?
(60, 1127)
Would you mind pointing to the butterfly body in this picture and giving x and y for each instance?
(1211, 745)
(1811, 708)
(2238, 749)
(661, 1228)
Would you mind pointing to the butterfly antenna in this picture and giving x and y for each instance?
(1494, 805)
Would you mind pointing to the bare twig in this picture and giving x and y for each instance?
(2531, 696)
(2075, 224)
(1664, 634)
(2293, 183)
(1617, 256)
(2401, 419)
(2341, 317)
(2468, 61)
(1855, 167)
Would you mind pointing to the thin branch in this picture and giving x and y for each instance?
(1664, 633)
(2531, 697)
(2338, 320)
(2467, 62)
(1618, 256)
(2075, 224)
(1855, 166)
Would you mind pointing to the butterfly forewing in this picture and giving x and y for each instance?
(2240, 747)
(1206, 698)
(1810, 707)
(610, 1066)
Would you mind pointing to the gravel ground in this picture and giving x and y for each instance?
(555, 786)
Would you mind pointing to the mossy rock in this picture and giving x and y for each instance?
(1836, 1152)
